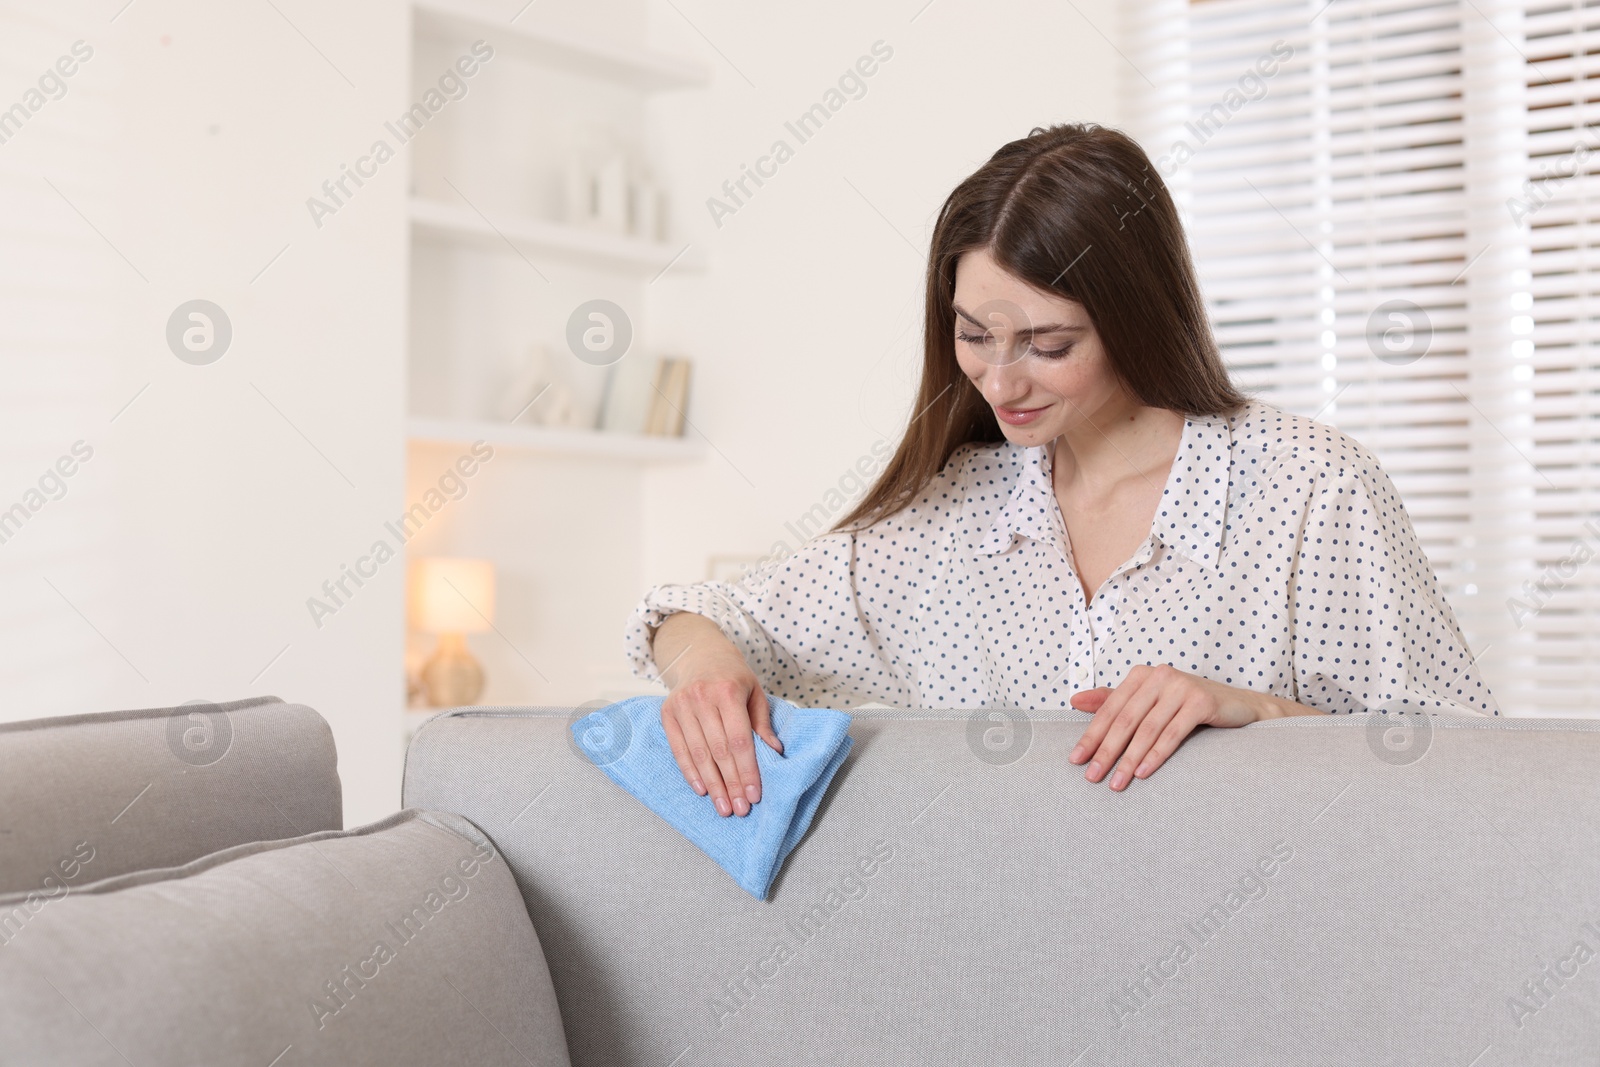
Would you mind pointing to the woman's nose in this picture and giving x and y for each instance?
(1005, 379)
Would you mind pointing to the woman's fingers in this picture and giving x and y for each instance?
(761, 719)
(699, 747)
(1091, 700)
(1105, 713)
(713, 725)
(1145, 718)
(1156, 724)
(1120, 723)
(1181, 725)
(712, 716)
(738, 753)
(680, 751)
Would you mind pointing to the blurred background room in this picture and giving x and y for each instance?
(380, 354)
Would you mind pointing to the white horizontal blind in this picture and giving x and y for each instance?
(1556, 352)
(1343, 170)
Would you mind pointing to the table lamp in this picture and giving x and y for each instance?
(452, 598)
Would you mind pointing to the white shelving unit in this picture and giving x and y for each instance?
(448, 222)
(487, 181)
(638, 448)
(639, 68)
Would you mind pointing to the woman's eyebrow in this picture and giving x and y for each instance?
(1053, 327)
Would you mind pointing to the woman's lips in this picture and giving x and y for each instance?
(1019, 416)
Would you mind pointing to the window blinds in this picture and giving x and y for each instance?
(1392, 214)
(1556, 354)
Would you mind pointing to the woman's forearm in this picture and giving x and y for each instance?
(686, 641)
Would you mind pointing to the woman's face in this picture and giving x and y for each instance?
(1034, 356)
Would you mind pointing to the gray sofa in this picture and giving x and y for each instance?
(1369, 889)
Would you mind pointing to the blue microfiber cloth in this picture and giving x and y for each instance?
(627, 741)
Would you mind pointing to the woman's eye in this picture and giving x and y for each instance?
(1045, 353)
(1050, 353)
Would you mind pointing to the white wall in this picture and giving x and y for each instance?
(178, 564)
(221, 498)
(808, 331)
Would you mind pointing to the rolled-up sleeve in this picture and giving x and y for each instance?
(833, 623)
(1371, 628)
(741, 609)
(794, 619)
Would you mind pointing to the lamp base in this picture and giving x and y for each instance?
(452, 677)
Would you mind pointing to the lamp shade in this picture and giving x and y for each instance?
(450, 595)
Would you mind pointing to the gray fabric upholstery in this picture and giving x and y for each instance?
(86, 797)
(404, 941)
(1305, 890)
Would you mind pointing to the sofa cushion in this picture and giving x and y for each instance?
(86, 797)
(404, 941)
(1372, 889)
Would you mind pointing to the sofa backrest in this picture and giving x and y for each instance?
(1333, 889)
(86, 797)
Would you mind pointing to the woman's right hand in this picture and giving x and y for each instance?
(709, 716)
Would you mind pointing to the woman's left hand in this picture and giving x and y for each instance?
(1157, 707)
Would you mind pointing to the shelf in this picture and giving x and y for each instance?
(642, 68)
(638, 448)
(465, 226)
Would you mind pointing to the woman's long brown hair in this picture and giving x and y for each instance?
(1075, 210)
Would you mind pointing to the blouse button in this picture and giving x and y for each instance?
(1079, 673)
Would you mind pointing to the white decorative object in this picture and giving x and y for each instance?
(529, 374)
(580, 193)
(644, 210)
(555, 408)
(535, 396)
(663, 215)
(609, 187)
(611, 194)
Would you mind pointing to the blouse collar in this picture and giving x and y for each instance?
(1192, 514)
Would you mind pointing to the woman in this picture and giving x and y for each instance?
(1084, 512)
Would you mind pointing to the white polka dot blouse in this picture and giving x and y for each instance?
(1280, 559)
